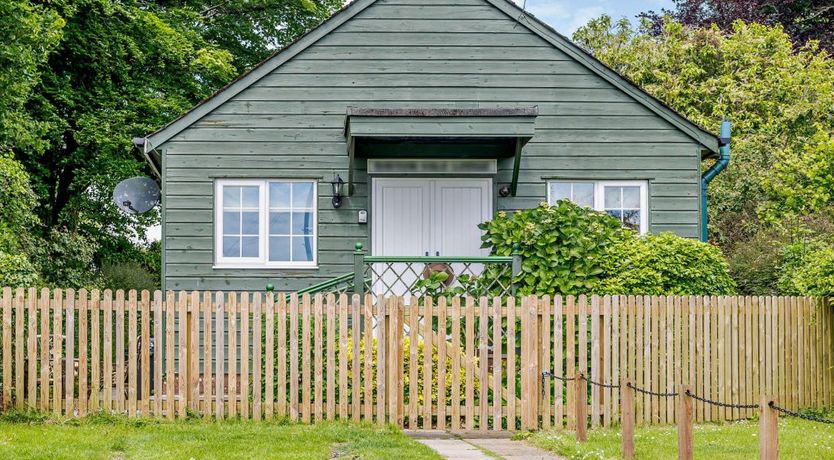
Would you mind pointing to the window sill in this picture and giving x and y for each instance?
(264, 267)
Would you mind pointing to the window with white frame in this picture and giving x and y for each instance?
(265, 223)
(624, 200)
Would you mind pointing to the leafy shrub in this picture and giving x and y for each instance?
(128, 275)
(755, 263)
(66, 260)
(563, 246)
(16, 270)
(808, 269)
(567, 250)
(666, 264)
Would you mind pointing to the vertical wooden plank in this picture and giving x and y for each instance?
(318, 337)
(159, 351)
(44, 349)
(293, 339)
(790, 353)
(661, 332)
(442, 308)
(768, 430)
(57, 350)
(182, 357)
(469, 390)
(281, 364)
(244, 355)
(413, 395)
(170, 308)
(132, 370)
(781, 315)
(232, 369)
(395, 362)
(483, 375)
(7, 347)
(381, 360)
(640, 353)
(428, 351)
(269, 358)
(716, 352)
(627, 416)
(193, 337)
(208, 340)
(649, 358)
(755, 351)
(145, 306)
(121, 372)
(583, 341)
(456, 352)
(355, 334)
(369, 351)
(305, 358)
(545, 307)
(558, 370)
(581, 407)
(596, 374)
(32, 346)
(612, 368)
(570, 361)
(257, 353)
(219, 356)
(801, 352)
(343, 356)
(685, 422)
(747, 361)
(19, 335)
(681, 361)
(737, 357)
(497, 363)
(511, 363)
(331, 356)
(768, 342)
(670, 358)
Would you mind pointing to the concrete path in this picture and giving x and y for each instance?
(479, 447)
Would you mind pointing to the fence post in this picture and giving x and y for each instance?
(358, 270)
(768, 431)
(581, 407)
(627, 419)
(685, 421)
(516, 265)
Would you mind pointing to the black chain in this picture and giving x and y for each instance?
(550, 374)
(604, 385)
(652, 393)
(722, 404)
(799, 415)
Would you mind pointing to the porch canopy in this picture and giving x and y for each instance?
(439, 133)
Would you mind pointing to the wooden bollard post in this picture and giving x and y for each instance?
(627, 419)
(768, 430)
(685, 421)
(581, 407)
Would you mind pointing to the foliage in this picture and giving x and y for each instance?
(802, 20)
(563, 247)
(778, 98)
(65, 260)
(128, 275)
(755, 264)
(16, 270)
(666, 264)
(16, 222)
(808, 269)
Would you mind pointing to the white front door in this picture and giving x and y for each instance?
(414, 217)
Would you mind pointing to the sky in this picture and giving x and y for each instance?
(568, 15)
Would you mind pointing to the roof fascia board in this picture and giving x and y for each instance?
(553, 37)
(259, 71)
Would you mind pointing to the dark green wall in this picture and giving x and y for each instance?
(413, 53)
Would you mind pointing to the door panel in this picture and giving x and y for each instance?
(400, 217)
(458, 207)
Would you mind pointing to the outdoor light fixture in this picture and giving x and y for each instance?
(337, 184)
(504, 191)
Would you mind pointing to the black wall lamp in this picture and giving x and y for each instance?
(337, 185)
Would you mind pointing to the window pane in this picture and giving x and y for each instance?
(559, 191)
(250, 197)
(302, 249)
(250, 223)
(631, 219)
(279, 195)
(249, 246)
(302, 194)
(231, 223)
(279, 249)
(612, 197)
(631, 197)
(279, 223)
(616, 213)
(231, 197)
(583, 194)
(231, 246)
(302, 223)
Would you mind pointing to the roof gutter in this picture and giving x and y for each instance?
(713, 171)
(144, 145)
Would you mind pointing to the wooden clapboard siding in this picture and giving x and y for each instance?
(290, 123)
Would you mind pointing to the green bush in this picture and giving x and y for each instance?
(17, 271)
(129, 275)
(808, 269)
(666, 264)
(754, 263)
(568, 249)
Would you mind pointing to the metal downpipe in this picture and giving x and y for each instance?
(713, 171)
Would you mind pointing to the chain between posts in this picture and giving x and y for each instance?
(652, 393)
(721, 404)
(546, 374)
(799, 415)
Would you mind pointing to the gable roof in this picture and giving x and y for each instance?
(538, 27)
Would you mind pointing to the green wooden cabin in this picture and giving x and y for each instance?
(435, 114)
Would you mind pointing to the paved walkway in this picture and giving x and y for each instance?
(479, 447)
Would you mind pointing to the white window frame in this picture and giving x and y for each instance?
(599, 198)
(262, 261)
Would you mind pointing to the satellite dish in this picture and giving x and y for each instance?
(136, 195)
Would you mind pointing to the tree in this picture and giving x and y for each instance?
(802, 20)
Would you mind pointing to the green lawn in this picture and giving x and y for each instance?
(736, 440)
(114, 438)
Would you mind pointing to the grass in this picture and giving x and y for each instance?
(107, 437)
(732, 440)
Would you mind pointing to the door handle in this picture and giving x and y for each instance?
(437, 253)
(427, 253)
